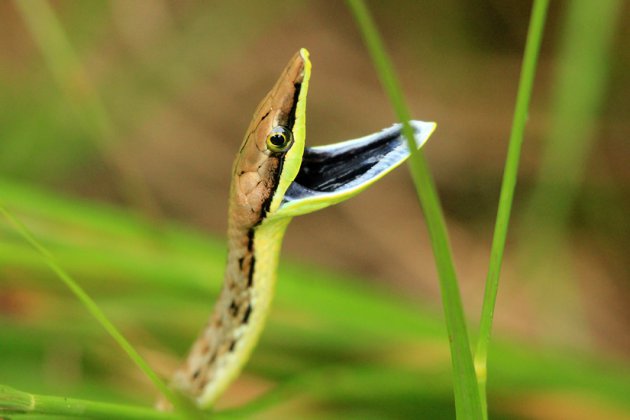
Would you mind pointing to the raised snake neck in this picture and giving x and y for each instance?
(220, 351)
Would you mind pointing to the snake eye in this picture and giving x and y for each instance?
(280, 139)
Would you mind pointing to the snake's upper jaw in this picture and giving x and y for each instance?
(334, 173)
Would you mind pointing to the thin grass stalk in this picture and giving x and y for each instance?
(580, 85)
(525, 87)
(50, 260)
(83, 97)
(17, 403)
(467, 402)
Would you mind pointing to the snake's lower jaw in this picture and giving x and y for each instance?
(331, 174)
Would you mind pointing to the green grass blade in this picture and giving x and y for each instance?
(526, 82)
(91, 306)
(15, 403)
(580, 87)
(467, 403)
(83, 97)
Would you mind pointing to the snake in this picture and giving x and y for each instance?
(275, 178)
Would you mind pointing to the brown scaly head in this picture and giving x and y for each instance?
(257, 167)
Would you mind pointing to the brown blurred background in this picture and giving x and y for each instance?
(169, 87)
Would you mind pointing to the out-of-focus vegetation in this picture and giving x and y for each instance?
(119, 124)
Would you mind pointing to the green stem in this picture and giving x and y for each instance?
(93, 308)
(467, 402)
(14, 402)
(83, 97)
(526, 82)
(580, 83)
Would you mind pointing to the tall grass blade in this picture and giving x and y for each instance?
(467, 403)
(526, 83)
(14, 402)
(586, 45)
(83, 97)
(91, 306)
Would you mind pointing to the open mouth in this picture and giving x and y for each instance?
(343, 169)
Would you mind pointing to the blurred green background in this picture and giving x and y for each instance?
(119, 122)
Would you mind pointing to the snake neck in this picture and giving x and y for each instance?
(225, 343)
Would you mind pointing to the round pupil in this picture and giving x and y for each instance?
(277, 139)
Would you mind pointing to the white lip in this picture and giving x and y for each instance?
(333, 173)
(422, 132)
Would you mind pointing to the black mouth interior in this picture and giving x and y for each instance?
(326, 170)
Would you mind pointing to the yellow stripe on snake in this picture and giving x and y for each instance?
(274, 178)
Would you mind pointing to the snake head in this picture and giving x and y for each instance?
(271, 152)
(276, 176)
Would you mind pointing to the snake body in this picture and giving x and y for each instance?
(272, 182)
